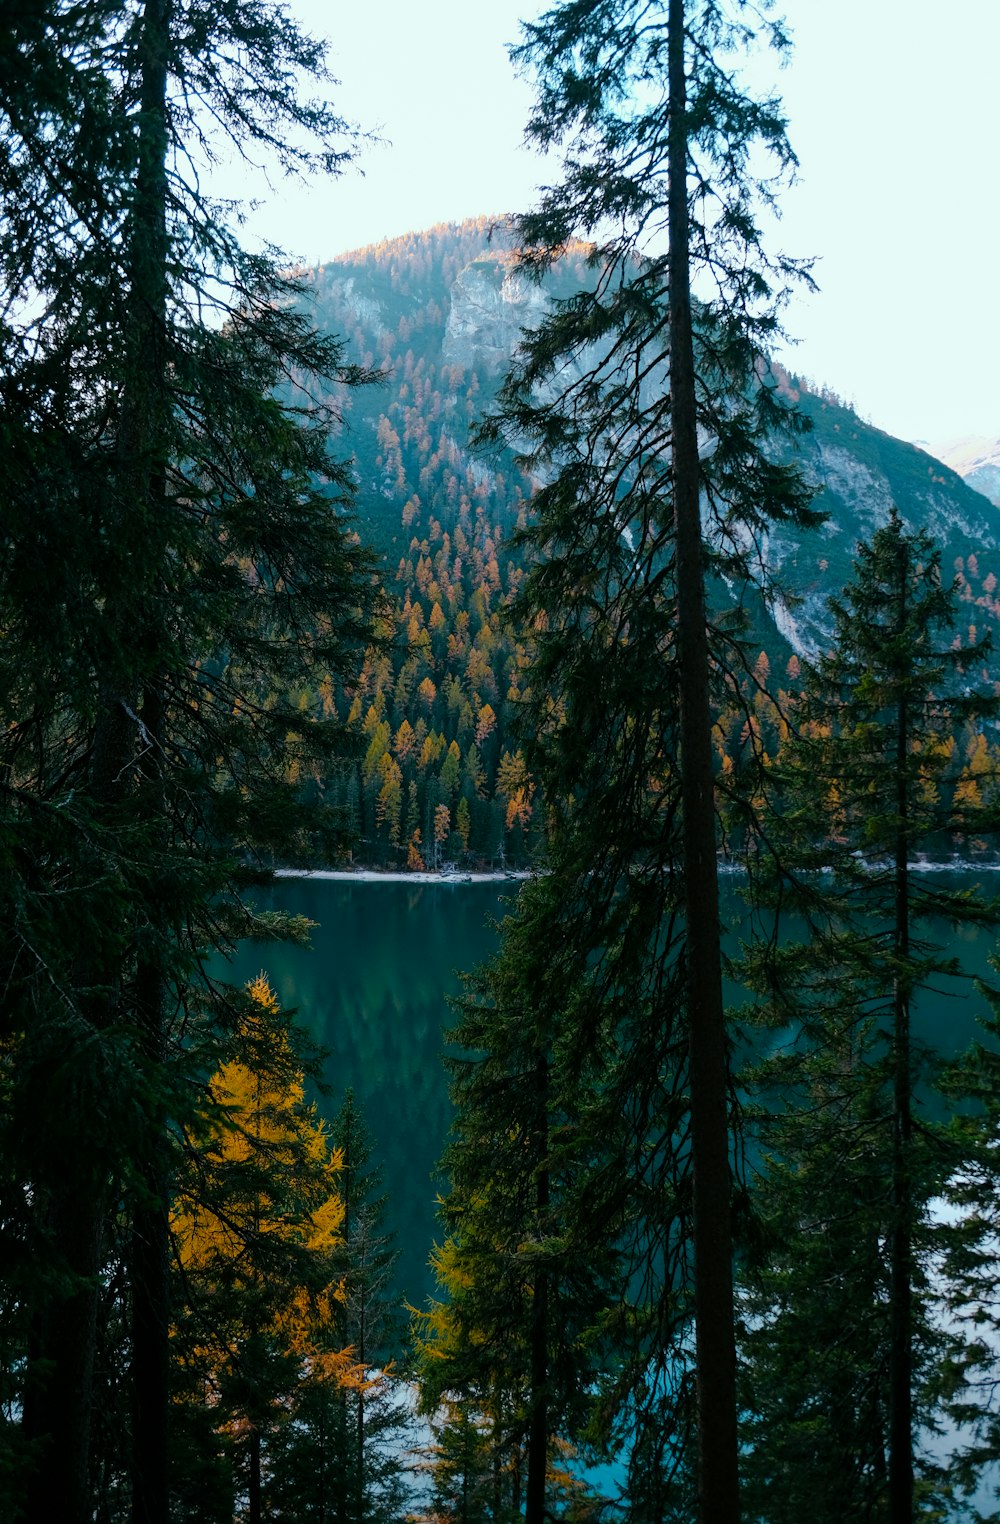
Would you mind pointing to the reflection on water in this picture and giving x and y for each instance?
(373, 991)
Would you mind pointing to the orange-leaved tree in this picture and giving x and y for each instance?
(257, 1224)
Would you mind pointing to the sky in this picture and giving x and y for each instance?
(893, 111)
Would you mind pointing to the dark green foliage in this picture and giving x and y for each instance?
(467, 1470)
(343, 1455)
(604, 407)
(968, 1266)
(814, 1385)
(852, 1163)
(569, 1179)
(176, 558)
(894, 674)
(532, 1260)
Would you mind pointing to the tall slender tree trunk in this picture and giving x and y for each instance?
(58, 1397)
(323, 1464)
(500, 1450)
(901, 1248)
(352, 1492)
(73, 1192)
(143, 450)
(150, 1264)
(359, 1417)
(254, 1513)
(718, 1480)
(343, 1470)
(538, 1430)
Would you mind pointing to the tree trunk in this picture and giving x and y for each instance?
(151, 1213)
(72, 1190)
(254, 1514)
(58, 1398)
(901, 1275)
(145, 408)
(538, 1430)
(150, 1351)
(343, 1479)
(718, 1482)
(359, 1427)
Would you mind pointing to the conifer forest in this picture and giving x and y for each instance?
(505, 547)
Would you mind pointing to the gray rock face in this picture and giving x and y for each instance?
(365, 309)
(865, 493)
(426, 308)
(857, 474)
(490, 307)
(986, 479)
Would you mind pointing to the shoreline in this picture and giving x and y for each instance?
(518, 875)
(400, 876)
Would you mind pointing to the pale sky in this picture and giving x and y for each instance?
(894, 112)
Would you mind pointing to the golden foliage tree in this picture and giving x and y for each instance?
(257, 1224)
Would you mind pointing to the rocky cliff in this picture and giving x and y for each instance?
(444, 311)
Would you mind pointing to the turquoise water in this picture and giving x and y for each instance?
(374, 989)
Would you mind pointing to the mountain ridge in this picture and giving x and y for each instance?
(976, 459)
(482, 306)
(439, 313)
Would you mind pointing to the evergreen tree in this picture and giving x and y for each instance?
(465, 1468)
(814, 1354)
(605, 408)
(343, 1453)
(863, 773)
(196, 566)
(967, 1266)
(528, 1265)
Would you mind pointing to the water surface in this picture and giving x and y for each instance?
(373, 990)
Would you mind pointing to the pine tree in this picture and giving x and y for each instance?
(967, 1268)
(559, 1327)
(862, 773)
(814, 1368)
(342, 1455)
(196, 564)
(461, 1465)
(605, 408)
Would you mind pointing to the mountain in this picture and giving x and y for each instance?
(440, 313)
(977, 461)
(858, 472)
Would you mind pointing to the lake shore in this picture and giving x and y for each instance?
(396, 876)
(920, 864)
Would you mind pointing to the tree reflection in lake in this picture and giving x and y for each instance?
(373, 991)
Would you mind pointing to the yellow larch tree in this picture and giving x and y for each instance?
(257, 1223)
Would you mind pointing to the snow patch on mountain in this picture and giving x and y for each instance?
(986, 479)
(977, 460)
(968, 453)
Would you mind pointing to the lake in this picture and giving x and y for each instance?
(373, 990)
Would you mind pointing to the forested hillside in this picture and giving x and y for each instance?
(416, 587)
(442, 776)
